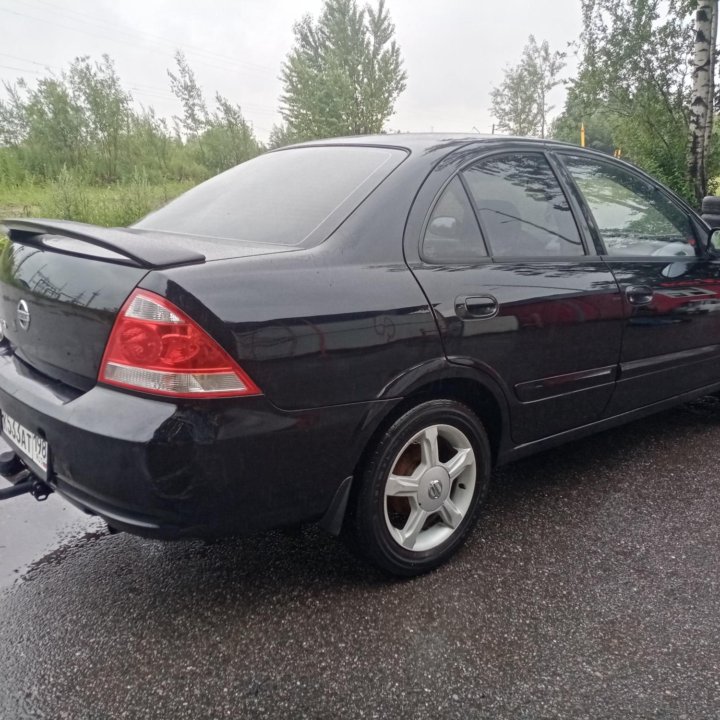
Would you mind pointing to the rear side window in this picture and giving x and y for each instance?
(522, 208)
(633, 217)
(281, 197)
(452, 234)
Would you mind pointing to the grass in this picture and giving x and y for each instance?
(68, 199)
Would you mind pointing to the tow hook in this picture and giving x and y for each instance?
(40, 490)
(30, 484)
(22, 481)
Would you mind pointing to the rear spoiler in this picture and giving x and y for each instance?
(145, 251)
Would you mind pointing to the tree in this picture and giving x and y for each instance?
(228, 138)
(185, 88)
(13, 125)
(79, 119)
(55, 127)
(520, 102)
(635, 76)
(279, 137)
(344, 74)
(701, 107)
(97, 90)
(80, 126)
(218, 140)
(598, 124)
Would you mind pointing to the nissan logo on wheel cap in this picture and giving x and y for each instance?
(23, 315)
(435, 489)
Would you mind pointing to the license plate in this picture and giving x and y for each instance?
(29, 444)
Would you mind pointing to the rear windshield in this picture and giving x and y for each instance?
(281, 197)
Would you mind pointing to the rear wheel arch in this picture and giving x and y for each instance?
(441, 382)
(482, 401)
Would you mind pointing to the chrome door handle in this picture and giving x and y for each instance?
(639, 294)
(477, 306)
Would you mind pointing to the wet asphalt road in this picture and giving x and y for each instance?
(589, 589)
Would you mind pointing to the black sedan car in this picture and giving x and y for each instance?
(351, 331)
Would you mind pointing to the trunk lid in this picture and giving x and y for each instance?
(62, 285)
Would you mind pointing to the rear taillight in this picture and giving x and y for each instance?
(156, 348)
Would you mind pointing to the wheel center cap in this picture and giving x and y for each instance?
(434, 488)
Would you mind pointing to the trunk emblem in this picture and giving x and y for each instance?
(23, 315)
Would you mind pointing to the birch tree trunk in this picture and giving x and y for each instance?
(711, 90)
(701, 108)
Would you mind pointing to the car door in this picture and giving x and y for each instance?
(517, 291)
(670, 286)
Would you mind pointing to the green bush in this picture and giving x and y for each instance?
(69, 198)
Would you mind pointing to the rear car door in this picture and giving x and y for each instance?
(517, 291)
(670, 286)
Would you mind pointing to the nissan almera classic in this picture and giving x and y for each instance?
(351, 331)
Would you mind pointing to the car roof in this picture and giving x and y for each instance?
(426, 147)
(430, 141)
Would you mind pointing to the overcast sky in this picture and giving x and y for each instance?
(454, 50)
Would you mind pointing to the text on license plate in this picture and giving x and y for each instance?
(27, 442)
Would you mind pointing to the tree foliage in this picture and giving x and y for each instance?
(520, 102)
(217, 140)
(183, 85)
(84, 122)
(343, 75)
(279, 136)
(633, 84)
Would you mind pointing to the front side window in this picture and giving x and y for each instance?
(633, 217)
(522, 208)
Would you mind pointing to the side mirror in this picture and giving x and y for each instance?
(713, 244)
(447, 227)
(711, 215)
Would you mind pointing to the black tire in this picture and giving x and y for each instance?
(366, 527)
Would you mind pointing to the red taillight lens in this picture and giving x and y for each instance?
(156, 348)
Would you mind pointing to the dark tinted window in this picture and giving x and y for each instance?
(633, 217)
(522, 208)
(280, 197)
(452, 234)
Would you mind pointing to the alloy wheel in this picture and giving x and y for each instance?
(430, 487)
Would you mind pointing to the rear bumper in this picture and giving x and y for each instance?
(168, 470)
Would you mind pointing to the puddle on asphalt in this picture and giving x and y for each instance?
(31, 531)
